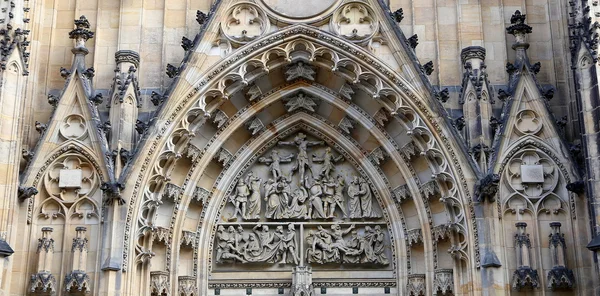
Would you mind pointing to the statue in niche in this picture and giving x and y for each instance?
(253, 208)
(354, 192)
(275, 161)
(328, 161)
(302, 159)
(289, 246)
(315, 203)
(240, 198)
(225, 245)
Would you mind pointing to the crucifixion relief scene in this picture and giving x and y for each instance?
(299, 148)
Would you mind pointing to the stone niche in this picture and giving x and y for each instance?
(302, 202)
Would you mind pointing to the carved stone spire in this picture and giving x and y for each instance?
(81, 34)
(477, 105)
(125, 100)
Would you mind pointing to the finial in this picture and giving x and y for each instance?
(81, 34)
(519, 29)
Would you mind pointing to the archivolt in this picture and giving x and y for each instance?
(264, 55)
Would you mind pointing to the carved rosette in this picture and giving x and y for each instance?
(245, 22)
(355, 21)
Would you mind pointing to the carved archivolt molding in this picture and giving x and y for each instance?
(245, 22)
(355, 21)
(355, 68)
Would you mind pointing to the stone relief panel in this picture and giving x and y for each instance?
(301, 203)
(245, 22)
(355, 21)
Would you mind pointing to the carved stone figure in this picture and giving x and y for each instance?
(300, 70)
(225, 246)
(366, 200)
(240, 199)
(289, 246)
(355, 192)
(274, 208)
(253, 209)
(315, 202)
(275, 162)
(379, 247)
(302, 159)
(328, 161)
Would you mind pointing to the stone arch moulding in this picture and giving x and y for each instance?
(182, 118)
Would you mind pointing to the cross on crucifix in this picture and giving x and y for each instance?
(302, 157)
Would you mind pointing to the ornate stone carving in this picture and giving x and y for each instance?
(188, 239)
(245, 22)
(416, 285)
(255, 126)
(486, 188)
(77, 281)
(300, 70)
(355, 21)
(73, 126)
(300, 101)
(559, 277)
(26, 192)
(220, 118)
(528, 122)
(302, 282)
(223, 156)
(330, 247)
(187, 286)
(531, 174)
(201, 194)
(346, 124)
(172, 191)
(415, 236)
(161, 234)
(253, 93)
(159, 283)
(346, 92)
(360, 202)
(401, 193)
(524, 277)
(443, 282)
(377, 156)
(42, 282)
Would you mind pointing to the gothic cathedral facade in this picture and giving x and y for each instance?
(303, 148)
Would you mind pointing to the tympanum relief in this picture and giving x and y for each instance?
(302, 203)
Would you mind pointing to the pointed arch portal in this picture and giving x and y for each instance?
(193, 199)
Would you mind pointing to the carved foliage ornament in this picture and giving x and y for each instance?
(355, 21)
(245, 22)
